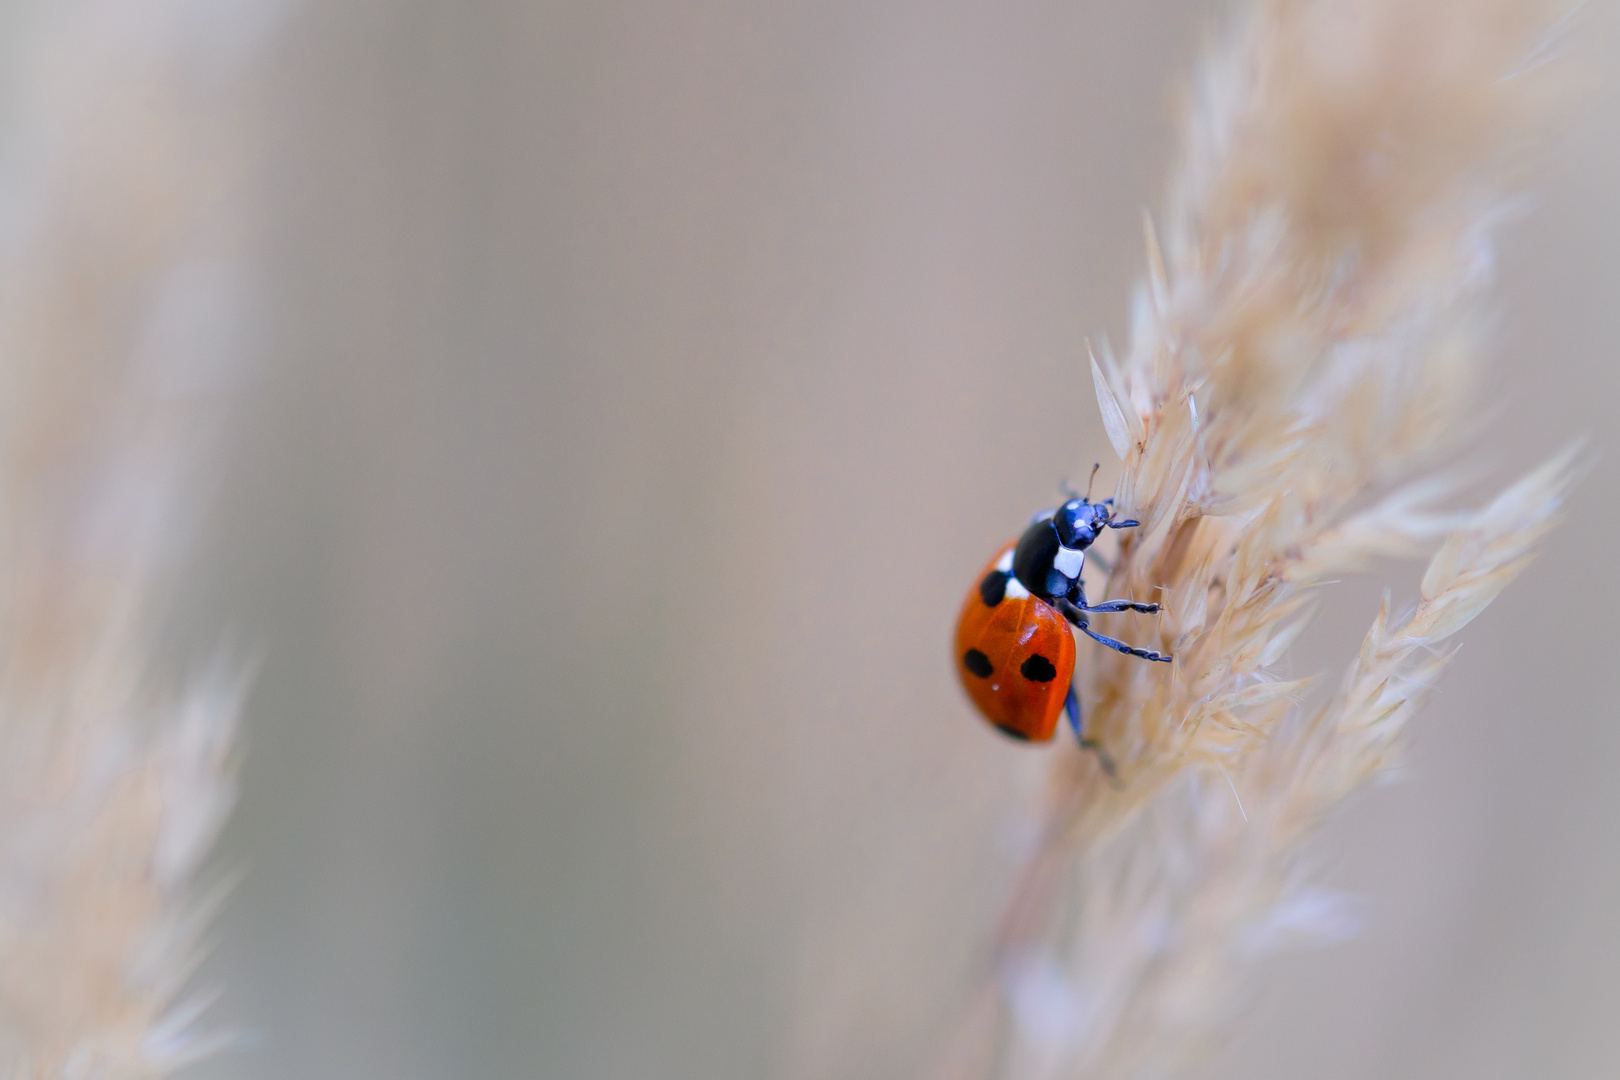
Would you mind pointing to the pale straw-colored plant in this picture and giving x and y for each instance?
(1289, 411)
(120, 264)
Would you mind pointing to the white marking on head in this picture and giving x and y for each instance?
(1004, 564)
(1068, 562)
(1016, 590)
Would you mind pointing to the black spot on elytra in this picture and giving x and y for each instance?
(993, 588)
(1012, 733)
(978, 663)
(1037, 669)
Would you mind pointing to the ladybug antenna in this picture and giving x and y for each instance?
(1094, 467)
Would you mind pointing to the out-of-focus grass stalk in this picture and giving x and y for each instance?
(121, 233)
(1300, 367)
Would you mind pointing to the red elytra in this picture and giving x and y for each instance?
(1015, 656)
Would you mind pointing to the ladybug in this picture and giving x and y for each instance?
(1014, 648)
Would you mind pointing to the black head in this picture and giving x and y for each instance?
(1079, 522)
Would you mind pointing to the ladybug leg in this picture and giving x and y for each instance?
(1120, 605)
(1120, 646)
(1077, 615)
(1108, 606)
(1107, 763)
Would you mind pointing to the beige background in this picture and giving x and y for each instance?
(645, 383)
